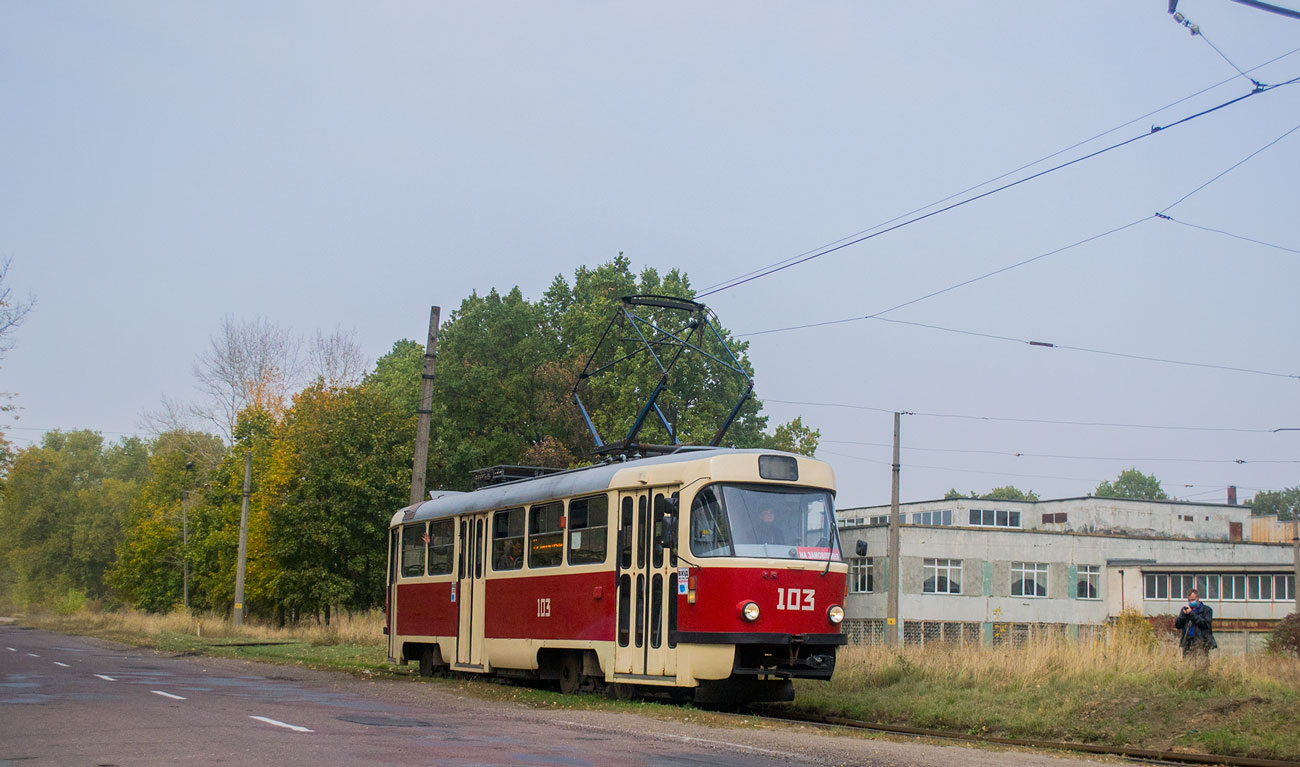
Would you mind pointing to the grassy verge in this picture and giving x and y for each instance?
(1113, 694)
(1089, 693)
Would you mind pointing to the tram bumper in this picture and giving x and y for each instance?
(776, 656)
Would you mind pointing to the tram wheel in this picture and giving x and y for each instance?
(430, 660)
(571, 673)
(620, 691)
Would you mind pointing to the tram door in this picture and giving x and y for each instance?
(647, 592)
(471, 544)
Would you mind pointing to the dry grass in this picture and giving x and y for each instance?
(1116, 693)
(360, 629)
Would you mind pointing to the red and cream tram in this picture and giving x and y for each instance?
(710, 571)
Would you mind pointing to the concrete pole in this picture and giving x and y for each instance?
(1295, 542)
(421, 461)
(895, 568)
(238, 615)
(185, 549)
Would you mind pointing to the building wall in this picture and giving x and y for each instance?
(987, 555)
(1270, 528)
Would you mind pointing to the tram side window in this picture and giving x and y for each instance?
(508, 539)
(413, 550)
(710, 535)
(546, 535)
(588, 530)
(440, 543)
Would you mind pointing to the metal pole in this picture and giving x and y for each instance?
(895, 567)
(421, 461)
(238, 615)
(185, 549)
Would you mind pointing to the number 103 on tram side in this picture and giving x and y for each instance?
(709, 572)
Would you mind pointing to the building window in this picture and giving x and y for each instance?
(882, 519)
(1179, 585)
(1259, 588)
(862, 577)
(1028, 579)
(994, 518)
(1284, 588)
(942, 576)
(1089, 585)
(1207, 586)
(1157, 586)
(937, 518)
(1234, 588)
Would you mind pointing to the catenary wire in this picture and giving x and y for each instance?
(1230, 234)
(1016, 454)
(1043, 421)
(1228, 170)
(1155, 129)
(986, 182)
(1084, 349)
(961, 284)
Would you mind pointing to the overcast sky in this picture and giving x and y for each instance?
(163, 165)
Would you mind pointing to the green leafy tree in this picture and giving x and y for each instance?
(148, 566)
(793, 437)
(1005, 493)
(1132, 483)
(340, 468)
(1283, 503)
(64, 505)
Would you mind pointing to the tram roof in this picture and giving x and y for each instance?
(591, 479)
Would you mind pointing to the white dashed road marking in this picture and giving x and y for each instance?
(62, 664)
(106, 678)
(34, 655)
(293, 727)
(13, 649)
(166, 695)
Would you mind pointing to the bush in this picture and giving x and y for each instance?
(1285, 639)
(1132, 629)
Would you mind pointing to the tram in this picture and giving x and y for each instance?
(708, 573)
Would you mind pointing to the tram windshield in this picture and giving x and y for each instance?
(763, 521)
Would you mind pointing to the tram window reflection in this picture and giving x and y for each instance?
(545, 534)
(440, 543)
(508, 540)
(588, 530)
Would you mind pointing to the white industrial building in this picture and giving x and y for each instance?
(1002, 571)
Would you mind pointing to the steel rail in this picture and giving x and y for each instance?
(1133, 752)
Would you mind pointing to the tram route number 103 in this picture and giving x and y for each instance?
(544, 608)
(796, 599)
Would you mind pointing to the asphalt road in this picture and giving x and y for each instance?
(75, 701)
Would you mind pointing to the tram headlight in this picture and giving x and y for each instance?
(835, 614)
(749, 611)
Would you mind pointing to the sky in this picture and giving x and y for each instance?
(347, 165)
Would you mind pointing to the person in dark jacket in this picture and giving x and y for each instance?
(1195, 623)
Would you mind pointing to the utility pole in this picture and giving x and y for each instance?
(895, 567)
(185, 549)
(1295, 542)
(425, 410)
(238, 615)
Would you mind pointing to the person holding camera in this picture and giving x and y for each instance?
(1195, 622)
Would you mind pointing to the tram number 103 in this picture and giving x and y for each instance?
(795, 599)
(544, 608)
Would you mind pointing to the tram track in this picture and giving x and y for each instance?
(1127, 752)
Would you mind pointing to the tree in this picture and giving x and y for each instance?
(248, 363)
(1005, 493)
(338, 472)
(12, 313)
(64, 505)
(148, 565)
(1283, 503)
(336, 359)
(1132, 483)
(793, 437)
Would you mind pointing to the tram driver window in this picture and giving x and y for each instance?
(508, 540)
(710, 535)
(440, 546)
(413, 550)
(588, 530)
(545, 534)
